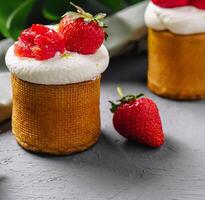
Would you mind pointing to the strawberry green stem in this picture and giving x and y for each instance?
(123, 100)
(78, 8)
(86, 16)
(113, 106)
(119, 91)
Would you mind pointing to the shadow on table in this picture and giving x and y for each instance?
(132, 69)
(129, 68)
(5, 126)
(3, 188)
(129, 158)
(122, 163)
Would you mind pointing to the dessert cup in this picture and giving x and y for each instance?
(55, 119)
(176, 42)
(56, 102)
(176, 66)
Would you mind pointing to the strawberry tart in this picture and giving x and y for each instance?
(176, 45)
(56, 75)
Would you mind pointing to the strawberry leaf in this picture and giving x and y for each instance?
(124, 99)
(78, 8)
(72, 15)
(100, 16)
(114, 106)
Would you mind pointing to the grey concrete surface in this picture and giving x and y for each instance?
(5, 87)
(115, 169)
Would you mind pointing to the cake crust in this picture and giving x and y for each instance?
(176, 65)
(59, 120)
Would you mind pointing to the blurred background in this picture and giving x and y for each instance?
(125, 18)
(15, 15)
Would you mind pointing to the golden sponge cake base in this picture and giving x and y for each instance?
(176, 65)
(56, 119)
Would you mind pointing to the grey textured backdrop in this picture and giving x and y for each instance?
(115, 169)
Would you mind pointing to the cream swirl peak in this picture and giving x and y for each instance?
(179, 20)
(69, 68)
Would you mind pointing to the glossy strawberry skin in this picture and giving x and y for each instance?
(139, 120)
(80, 36)
(178, 3)
(171, 3)
(39, 42)
(197, 3)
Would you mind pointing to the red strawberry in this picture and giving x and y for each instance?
(198, 3)
(83, 32)
(137, 118)
(171, 3)
(39, 42)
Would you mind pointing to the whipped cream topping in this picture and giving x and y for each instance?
(63, 69)
(180, 20)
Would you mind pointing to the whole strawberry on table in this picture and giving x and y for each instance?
(137, 118)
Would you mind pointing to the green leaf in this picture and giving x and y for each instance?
(54, 9)
(3, 28)
(16, 22)
(14, 13)
(6, 8)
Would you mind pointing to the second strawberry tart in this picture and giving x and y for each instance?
(56, 84)
(176, 43)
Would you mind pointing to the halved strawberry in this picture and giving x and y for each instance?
(198, 3)
(39, 42)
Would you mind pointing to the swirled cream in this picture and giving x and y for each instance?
(180, 20)
(63, 69)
